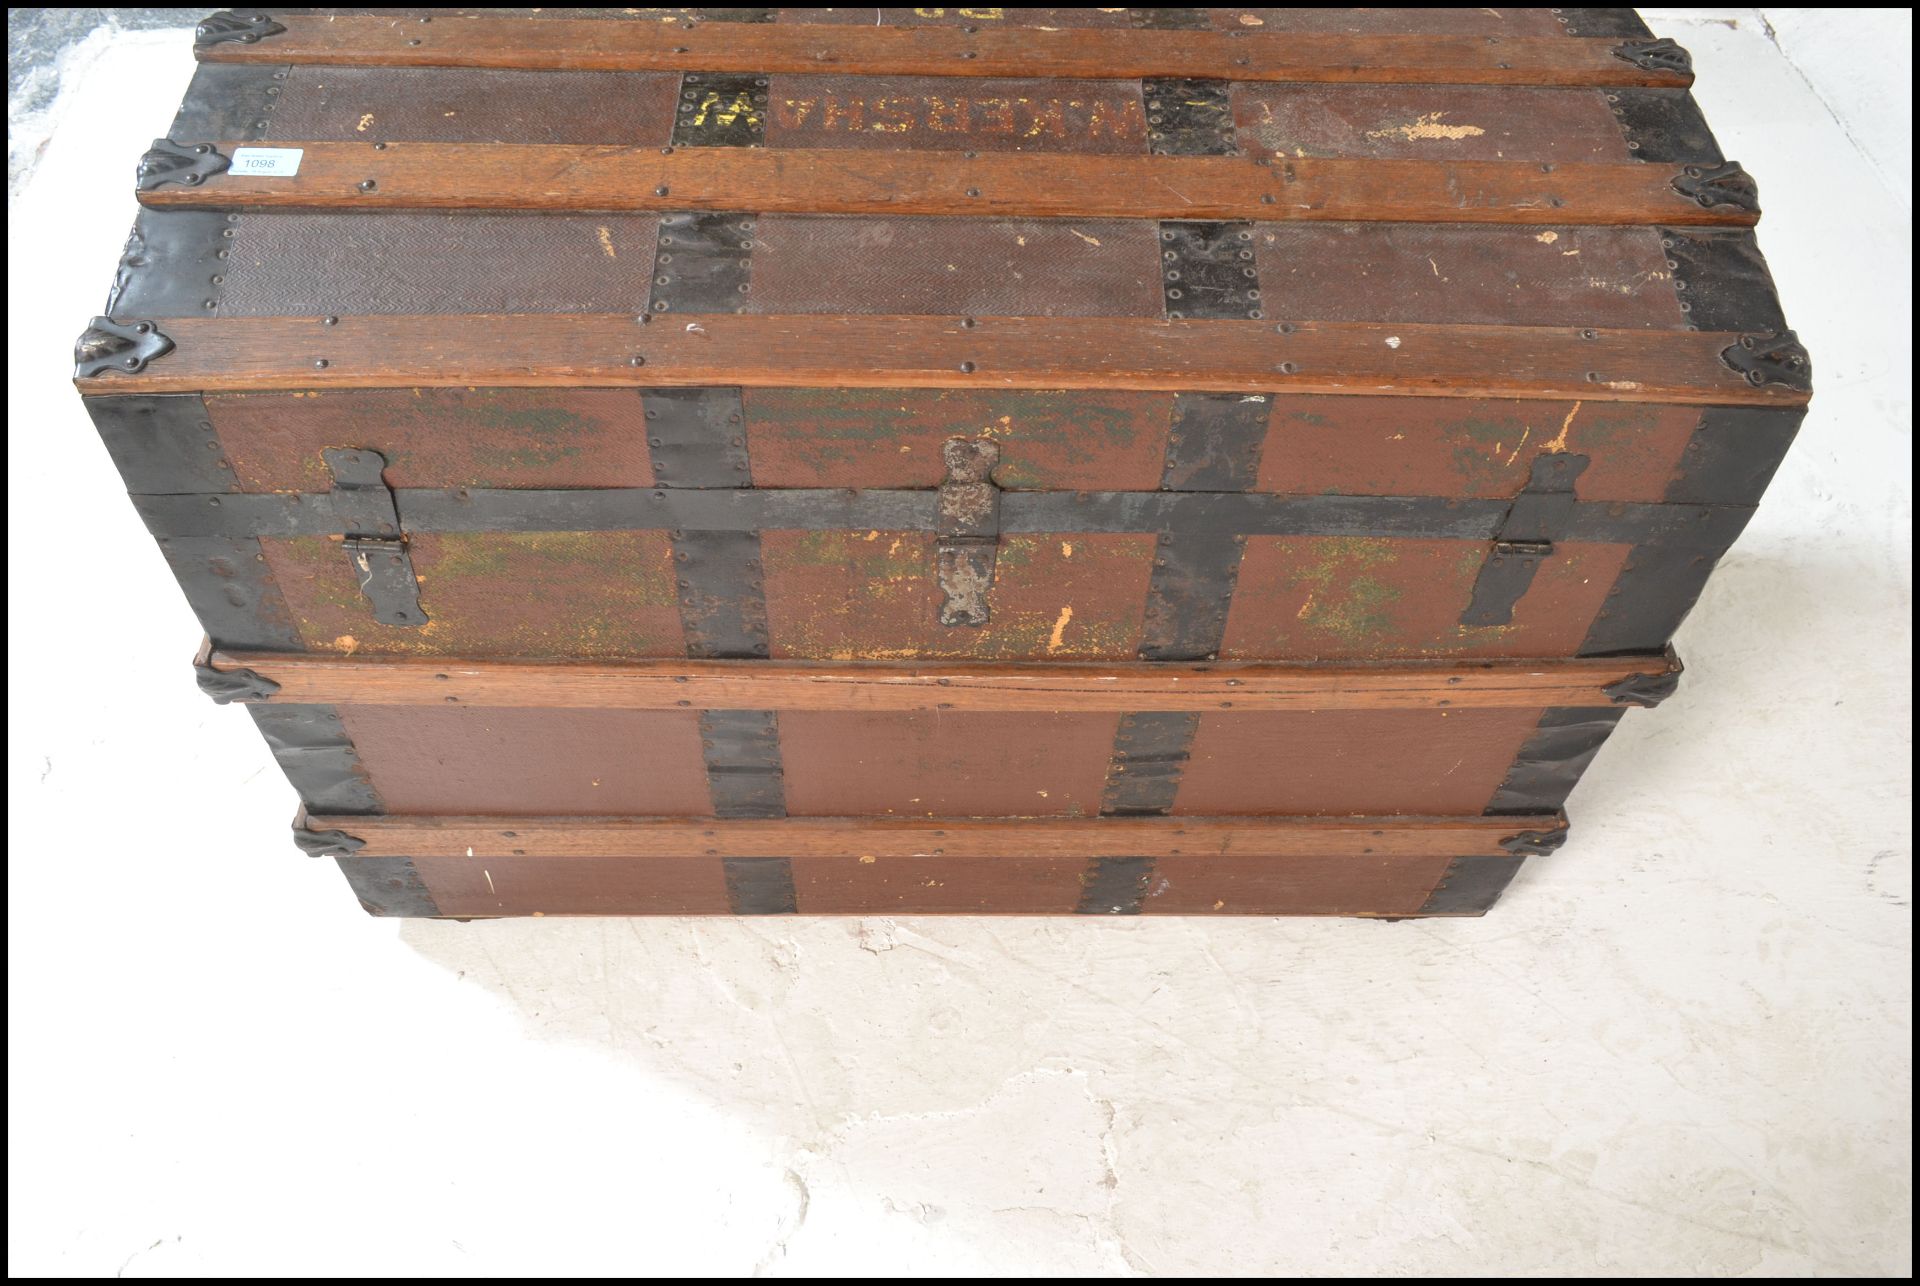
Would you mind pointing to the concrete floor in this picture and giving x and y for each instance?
(1680, 1046)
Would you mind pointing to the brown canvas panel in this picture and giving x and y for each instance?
(532, 762)
(956, 267)
(1469, 447)
(862, 885)
(438, 437)
(1090, 440)
(1492, 276)
(473, 105)
(940, 114)
(1390, 22)
(403, 262)
(537, 594)
(972, 16)
(1339, 598)
(464, 886)
(1427, 122)
(874, 595)
(1334, 762)
(945, 764)
(1292, 885)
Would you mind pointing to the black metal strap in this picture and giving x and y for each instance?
(697, 437)
(759, 885)
(721, 109)
(1209, 270)
(702, 263)
(1537, 518)
(1471, 885)
(388, 886)
(1550, 762)
(1189, 117)
(1150, 753)
(312, 747)
(1114, 886)
(1215, 440)
(742, 749)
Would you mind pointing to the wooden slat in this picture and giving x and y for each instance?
(1090, 53)
(219, 354)
(613, 837)
(799, 685)
(498, 176)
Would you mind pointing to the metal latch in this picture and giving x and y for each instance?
(376, 550)
(969, 529)
(1525, 539)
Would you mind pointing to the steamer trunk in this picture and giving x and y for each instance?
(998, 460)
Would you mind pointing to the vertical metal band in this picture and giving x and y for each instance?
(1189, 595)
(1150, 752)
(1169, 20)
(697, 437)
(721, 109)
(1209, 271)
(1533, 522)
(163, 444)
(759, 885)
(1733, 454)
(1721, 280)
(723, 606)
(1189, 117)
(1114, 886)
(388, 886)
(1549, 764)
(1215, 441)
(173, 265)
(1664, 126)
(230, 589)
(1471, 885)
(229, 103)
(313, 749)
(742, 749)
(703, 263)
(376, 551)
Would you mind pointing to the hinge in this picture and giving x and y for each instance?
(1647, 690)
(228, 686)
(240, 28)
(969, 529)
(188, 164)
(1655, 55)
(1189, 117)
(1719, 187)
(1535, 843)
(1525, 539)
(108, 345)
(1771, 359)
(375, 547)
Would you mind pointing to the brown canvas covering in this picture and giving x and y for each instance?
(583, 346)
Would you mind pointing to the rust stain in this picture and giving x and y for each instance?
(606, 242)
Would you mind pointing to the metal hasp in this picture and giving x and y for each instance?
(376, 551)
(108, 345)
(228, 686)
(237, 28)
(1647, 690)
(1772, 359)
(969, 529)
(1525, 540)
(187, 164)
(1719, 187)
(1188, 117)
(1655, 55)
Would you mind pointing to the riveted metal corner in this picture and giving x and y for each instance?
(1771, 359)
(1647, 690)
(228, 27)
(1664, 126)
(311, 745)
(1549, 764)
(1471, 885)
(162, 443)
(1535, 843)
(1719, 187)
(388, 886)
(228, 686)
(110, 347)
(324, 843)
(1662, 54)
(229, 103)
(188, 164)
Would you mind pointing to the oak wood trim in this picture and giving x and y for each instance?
(901, 686)
(502, 176)
(528, 350)
(616, 837)
(1089, 53)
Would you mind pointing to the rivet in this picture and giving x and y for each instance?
(379, 147)
(319, 363)
(1289, 368)
(973, 191)
(661, 190)
(636, 360)
(966, 367)
(412, 42)
(367, 185)
(329, 321)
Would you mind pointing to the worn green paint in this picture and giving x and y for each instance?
(1347, 601)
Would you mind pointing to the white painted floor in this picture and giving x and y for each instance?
(1682, 1045)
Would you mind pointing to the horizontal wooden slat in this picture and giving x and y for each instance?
(614, 837)
(1085, 53)
(495, 176)
(215, 354)
(777, 685)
